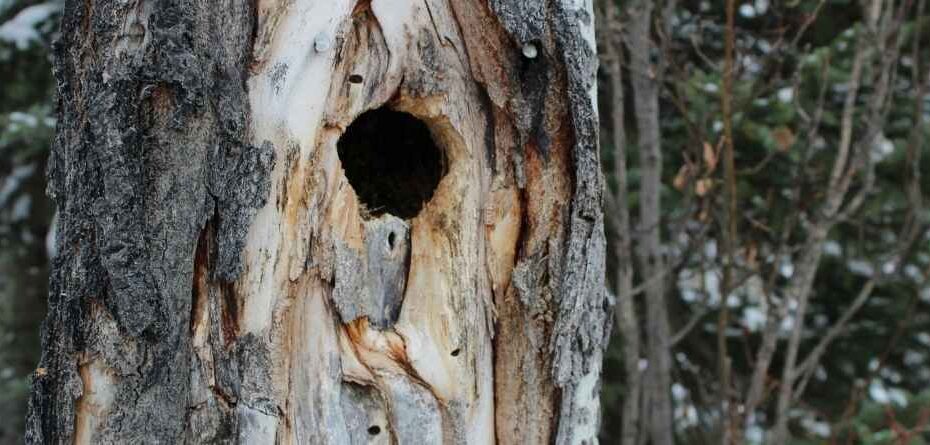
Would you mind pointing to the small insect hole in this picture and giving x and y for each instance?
(374, 430)
(355, 78)
(455, 352)
(391, 241)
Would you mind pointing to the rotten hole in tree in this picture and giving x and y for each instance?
(392, 162)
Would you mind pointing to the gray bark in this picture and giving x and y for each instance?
(619, 220)
(645, 77)
(217, 280)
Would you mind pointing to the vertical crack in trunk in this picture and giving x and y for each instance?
(229, 312)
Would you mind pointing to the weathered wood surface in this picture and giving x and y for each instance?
(219, 279)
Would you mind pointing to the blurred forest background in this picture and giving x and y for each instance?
(766, 214)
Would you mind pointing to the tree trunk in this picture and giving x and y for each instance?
(285, 221)
(646, 79)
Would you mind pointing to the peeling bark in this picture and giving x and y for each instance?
(221, 278)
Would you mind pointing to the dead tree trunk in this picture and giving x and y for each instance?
(285, 221)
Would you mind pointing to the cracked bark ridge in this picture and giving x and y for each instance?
(152, 140)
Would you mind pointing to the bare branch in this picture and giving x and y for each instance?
(723, 358)
(686, 329)
(810, 363)
(849, 107)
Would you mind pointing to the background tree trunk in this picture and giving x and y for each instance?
(645, 79)
(222, 277)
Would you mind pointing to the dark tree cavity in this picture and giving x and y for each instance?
(391, 161)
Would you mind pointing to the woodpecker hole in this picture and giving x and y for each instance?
(374, 430)
(391, 241)
(455, 352)
(391, 162)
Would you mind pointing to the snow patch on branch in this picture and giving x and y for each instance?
(22, 30)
